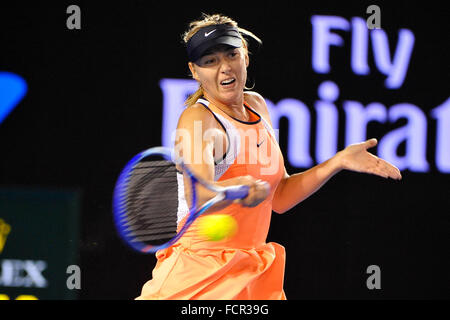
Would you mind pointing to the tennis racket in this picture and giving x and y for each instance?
(145, 200)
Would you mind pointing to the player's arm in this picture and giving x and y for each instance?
(295, 188)
(196, 152)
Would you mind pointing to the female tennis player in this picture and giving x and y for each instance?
(242, 150)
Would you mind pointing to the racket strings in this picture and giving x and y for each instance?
(152, 201)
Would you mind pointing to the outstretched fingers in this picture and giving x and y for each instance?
(385, 169)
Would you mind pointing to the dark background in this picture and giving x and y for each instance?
(93, 101)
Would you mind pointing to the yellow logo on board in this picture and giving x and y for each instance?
(4, 231)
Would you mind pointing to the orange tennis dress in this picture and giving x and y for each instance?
(244, 267)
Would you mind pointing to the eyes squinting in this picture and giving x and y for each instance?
(213, 59)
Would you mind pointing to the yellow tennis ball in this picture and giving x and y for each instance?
(216, 227)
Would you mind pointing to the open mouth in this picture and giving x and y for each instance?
(228, 82)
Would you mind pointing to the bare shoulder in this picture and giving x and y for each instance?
(256, 101)
(196, 112)
(253, 96)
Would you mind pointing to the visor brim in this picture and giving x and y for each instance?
(200, 51)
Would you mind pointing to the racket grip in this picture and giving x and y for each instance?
(236, 192)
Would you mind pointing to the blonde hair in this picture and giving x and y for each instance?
(208, 20)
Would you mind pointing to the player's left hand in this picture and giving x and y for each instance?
(355, 157)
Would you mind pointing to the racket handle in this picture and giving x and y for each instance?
(236, 192)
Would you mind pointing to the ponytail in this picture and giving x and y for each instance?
(192, 99)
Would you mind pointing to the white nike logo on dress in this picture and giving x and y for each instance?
(208, 33)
